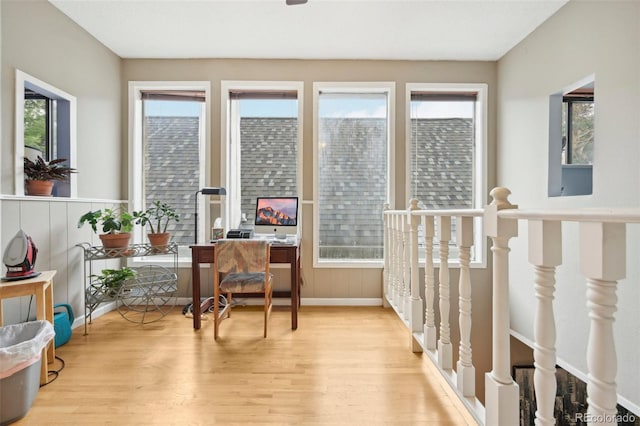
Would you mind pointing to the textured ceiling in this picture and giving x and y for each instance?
(320, 29)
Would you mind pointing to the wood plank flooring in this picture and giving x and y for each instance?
(343, 366)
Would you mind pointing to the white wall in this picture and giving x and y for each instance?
(41, 41)
(582, 38)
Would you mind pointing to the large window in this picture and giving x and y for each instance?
(353, 131)
(446, 160)
(263, 136)
(167, 153)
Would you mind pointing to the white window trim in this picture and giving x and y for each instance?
(480, 164)
(388, 87)
(225, 105)
(136, 157)
(23, 79)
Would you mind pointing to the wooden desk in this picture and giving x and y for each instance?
(280, 253)
(42, 287)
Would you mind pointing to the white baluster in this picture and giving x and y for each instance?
(397, 250)
(466, 373)
(406, 265)
(430, 332)
(501, 392)
(386, 253)
(603, 262)
(416, 300)
(445, 353)
(545, 253)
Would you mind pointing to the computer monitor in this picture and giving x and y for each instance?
(277, 216)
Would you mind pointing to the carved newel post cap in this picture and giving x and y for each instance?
(500, 198)
(413, 204)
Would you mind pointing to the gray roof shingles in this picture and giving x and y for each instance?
(351, 192)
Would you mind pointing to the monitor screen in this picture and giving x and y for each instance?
(276, 211)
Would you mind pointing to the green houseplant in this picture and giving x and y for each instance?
(158, 217)
(116, 226)
(110, 280)
(40, 175)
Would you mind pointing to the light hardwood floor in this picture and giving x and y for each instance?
(343, 366)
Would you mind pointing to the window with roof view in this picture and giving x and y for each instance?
(167, 154)
(446, 149)
(262, 146)
(353, 131)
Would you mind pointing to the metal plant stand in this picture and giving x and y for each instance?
(142, 299)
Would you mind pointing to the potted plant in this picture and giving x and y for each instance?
(110, 280)
(40, 175)
(158, 217)
(116, 226)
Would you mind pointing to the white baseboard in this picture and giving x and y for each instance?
(277, 301)
(103, 309)
(305, 301)
(330, 301)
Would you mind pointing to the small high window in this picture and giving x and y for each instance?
(572, 139)
(45, 127)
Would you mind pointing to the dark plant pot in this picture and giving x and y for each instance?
(159, 241)
(42, 188)
(115, 244)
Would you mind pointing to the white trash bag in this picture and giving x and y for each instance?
(21, 345)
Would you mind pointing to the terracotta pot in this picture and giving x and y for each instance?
(41, 188)
(115, 241)
(159, 241)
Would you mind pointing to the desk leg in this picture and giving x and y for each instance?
(295, 287)
(195, 280)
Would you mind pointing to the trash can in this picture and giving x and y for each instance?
(21, 348)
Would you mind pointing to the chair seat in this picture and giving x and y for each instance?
(244, 282)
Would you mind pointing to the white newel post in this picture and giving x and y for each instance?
(466, 373)
(406, 265)
(603, 262)
(430, 332)
(445, 354)
(416, 300)
(545, 253)
(501, 392)
(385, 256)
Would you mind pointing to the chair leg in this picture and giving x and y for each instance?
(216, 312)
(268, 301)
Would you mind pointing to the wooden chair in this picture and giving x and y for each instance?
(241, 266)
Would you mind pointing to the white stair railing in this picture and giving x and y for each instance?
(602, 263)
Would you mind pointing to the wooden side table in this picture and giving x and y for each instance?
(42, 287)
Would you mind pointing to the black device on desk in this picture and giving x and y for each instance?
(240, 233)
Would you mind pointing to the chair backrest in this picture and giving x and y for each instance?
(241, 256)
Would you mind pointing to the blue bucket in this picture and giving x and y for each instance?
(62, 321)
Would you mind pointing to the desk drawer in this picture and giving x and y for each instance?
(205, 255)
(282, 254)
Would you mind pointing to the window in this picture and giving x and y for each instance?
(167, 152)
(353, 141)
(39, 125)
(45, 127)
(263, 134)
(577, 126)
(572, 139)
(446, 155)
